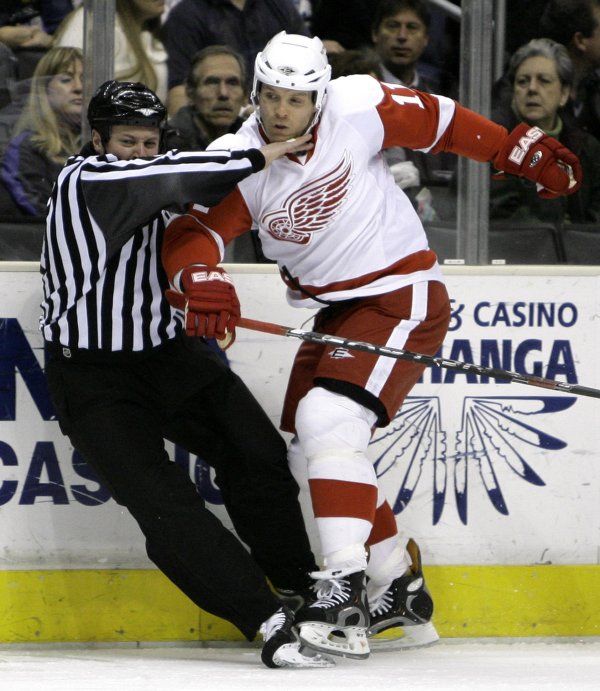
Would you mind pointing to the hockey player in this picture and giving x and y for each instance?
(347, 241)
(123, 375)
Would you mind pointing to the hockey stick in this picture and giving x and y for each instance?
(428, 360)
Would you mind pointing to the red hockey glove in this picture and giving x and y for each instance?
(209, 302)
(531, 154)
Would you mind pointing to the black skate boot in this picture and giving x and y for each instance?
(294, 599)
(335, 621)
(406, 604)
(282, 647)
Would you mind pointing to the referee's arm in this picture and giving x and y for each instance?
(123, 195)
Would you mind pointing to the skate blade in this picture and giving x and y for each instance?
(297, 656)
(350, 641)
(401, 637)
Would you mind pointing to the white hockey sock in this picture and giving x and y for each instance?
(388, 561)
(343, 562)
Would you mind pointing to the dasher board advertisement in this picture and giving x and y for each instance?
(478, 471)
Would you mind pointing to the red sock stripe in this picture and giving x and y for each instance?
(336, 498)
(384, 524)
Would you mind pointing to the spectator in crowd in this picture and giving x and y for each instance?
(357, 61)
(355, 32)
(52, 12)
(541, 74)
(245, 25)
(304, 8)
(139, 52)
(576, 24)
(8, 74)
(48, 131)
(400, 35)
(216, 89)
(17, 26)
(24, 29)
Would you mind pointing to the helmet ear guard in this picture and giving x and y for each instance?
(292, 61)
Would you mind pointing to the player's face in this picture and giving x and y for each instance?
(65, 93)
(401, 39)
(538, 92)
(219, 92)
(129, 141)
(285, 113)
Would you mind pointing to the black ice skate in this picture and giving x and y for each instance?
(406, 604)
(335, 621)
(282, 647)
(294, 599)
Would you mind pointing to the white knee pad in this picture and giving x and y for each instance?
(327, 421)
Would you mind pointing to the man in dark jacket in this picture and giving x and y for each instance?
(245, 25)
(216, 89)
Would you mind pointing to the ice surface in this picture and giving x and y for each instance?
(451, 664)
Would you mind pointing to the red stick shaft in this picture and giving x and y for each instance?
(266, 327)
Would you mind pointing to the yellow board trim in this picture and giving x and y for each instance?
(142, 605)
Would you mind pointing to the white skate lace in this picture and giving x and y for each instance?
(272, 625)
(331, 592)
(382, 604)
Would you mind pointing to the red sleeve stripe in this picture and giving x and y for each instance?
(215, 236)
(446, 113)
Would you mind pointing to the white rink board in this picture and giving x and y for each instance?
(507, 515)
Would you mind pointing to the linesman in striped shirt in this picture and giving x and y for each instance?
(124, 376)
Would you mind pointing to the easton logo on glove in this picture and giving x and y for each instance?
(520, 151)
(215, 275)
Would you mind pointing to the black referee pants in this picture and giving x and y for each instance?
(117, 408)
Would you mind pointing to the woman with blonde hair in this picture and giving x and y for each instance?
(139, 53)
(47, 132)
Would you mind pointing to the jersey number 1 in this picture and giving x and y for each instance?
(404, 100)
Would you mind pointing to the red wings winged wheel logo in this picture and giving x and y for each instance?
(312, 207)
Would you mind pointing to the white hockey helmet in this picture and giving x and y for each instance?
(293, 61)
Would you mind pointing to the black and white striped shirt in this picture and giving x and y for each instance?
(101, 269)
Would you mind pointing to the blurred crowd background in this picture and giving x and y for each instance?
(198, 56)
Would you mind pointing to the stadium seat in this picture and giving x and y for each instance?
(514, 243)
(582, 243)
(21, 238)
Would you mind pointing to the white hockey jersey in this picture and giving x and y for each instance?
(335, 219)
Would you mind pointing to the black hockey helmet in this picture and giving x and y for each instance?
(124, 103)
